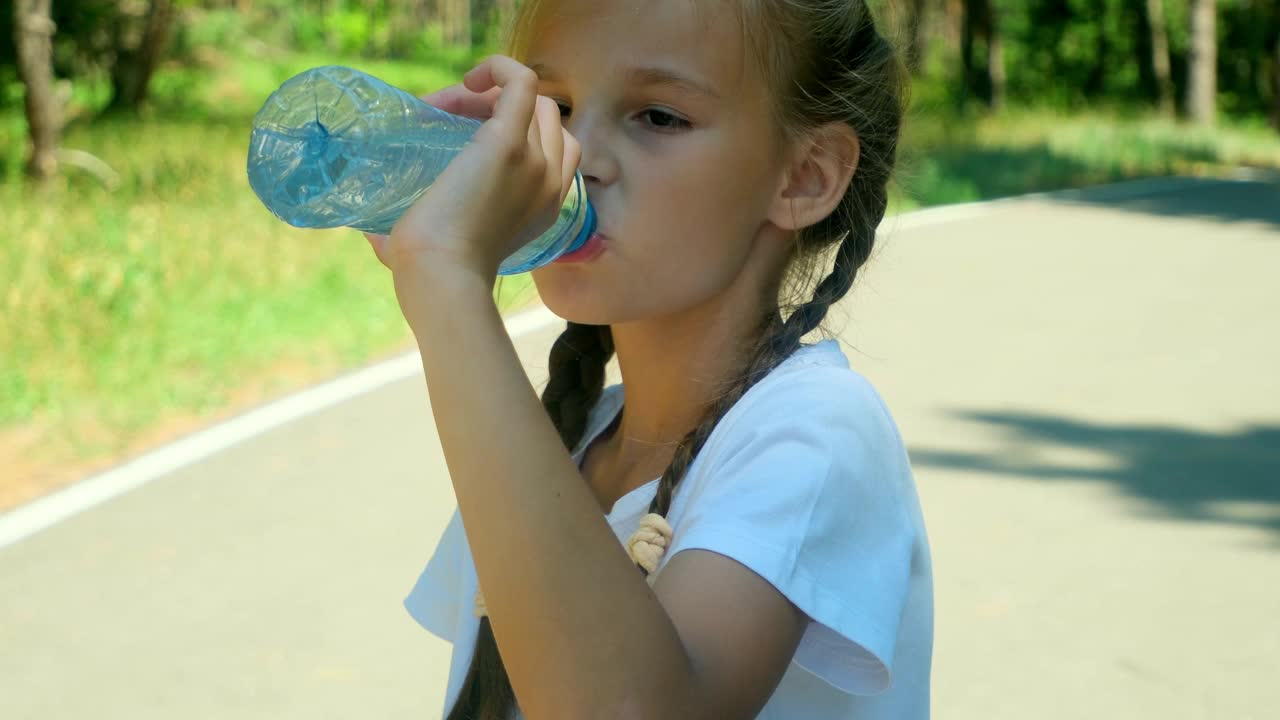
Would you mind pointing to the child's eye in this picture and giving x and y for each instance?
(663, 120)
(654, 118)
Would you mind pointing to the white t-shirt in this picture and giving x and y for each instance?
(806, 482)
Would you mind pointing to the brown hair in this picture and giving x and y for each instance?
(826, 63)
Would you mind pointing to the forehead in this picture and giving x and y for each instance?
(698, 38)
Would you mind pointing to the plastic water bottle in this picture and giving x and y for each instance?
(335, 147)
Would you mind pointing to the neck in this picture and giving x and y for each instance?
(673, 367)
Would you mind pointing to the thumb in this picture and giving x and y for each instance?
(379, 245)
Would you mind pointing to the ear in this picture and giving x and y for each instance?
(817, 176)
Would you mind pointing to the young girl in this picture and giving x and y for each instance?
(734, 531)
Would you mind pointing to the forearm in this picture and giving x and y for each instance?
(581, 633)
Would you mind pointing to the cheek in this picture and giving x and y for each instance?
(688, 236)
(705, 238)
(656, 275)
(700, 216)
(676, 268)
(696, 260)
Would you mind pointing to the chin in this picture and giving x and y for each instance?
(574, 296)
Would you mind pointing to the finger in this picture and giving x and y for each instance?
(552, 138)
(457, 99)
(379, 245)
(572, 159)
(519, 88)
(535, 131)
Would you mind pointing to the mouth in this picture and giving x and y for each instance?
(588, 252)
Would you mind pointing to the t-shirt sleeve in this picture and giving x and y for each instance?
(809, 486)
(434, 600)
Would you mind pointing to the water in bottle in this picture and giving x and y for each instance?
(335, 147)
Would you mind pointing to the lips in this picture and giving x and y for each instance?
(589, 251)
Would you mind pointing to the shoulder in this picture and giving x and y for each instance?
(812, 439)
(815, 394)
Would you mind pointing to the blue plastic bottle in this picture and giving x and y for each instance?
(335, 147)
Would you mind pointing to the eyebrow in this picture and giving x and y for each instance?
(645, 76)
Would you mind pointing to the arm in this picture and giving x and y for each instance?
(581, 633)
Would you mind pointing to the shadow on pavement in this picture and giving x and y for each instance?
(1184, 474)
(1232, 201)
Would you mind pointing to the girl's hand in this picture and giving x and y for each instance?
(502, 191)
(456, 99)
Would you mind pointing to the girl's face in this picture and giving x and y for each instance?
(678, 154)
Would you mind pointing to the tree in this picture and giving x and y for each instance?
(1202, 70)
(1160, 56)
(916, 10)
(952, 24)
(995, 58)
(1275, 84)
(139, 43)
(33, 40)
(982, 23)
(456, 15)
(969, 33)
(489, 18)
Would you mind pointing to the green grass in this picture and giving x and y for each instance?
(172, 294)
(177, 295)
(948, 159)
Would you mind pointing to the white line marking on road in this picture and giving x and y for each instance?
(28, 519)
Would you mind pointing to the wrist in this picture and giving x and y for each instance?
(451, 285)
(450, 259)
(438, 294)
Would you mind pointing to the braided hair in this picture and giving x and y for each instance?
(827, 63)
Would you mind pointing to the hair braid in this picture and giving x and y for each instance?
(577, 365)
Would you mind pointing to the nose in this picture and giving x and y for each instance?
(599, 166)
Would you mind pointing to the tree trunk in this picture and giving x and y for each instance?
(952, 23)
(33, 40)
(968, 61)
(135, 63)
(1275, 84)
(457, 22)
(982, 22)
(1202, 73)
(1160, 56)
(915, 32)
(995, 58)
